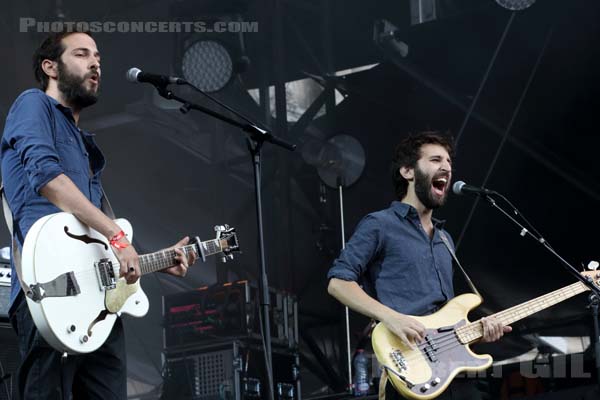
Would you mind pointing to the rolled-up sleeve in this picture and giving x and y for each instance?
(362, 247)
(28, 131)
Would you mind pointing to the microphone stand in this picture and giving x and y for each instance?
(594, 297)
(256, 138)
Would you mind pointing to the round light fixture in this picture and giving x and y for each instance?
(340, 161)
(207, 65)
(515, 5)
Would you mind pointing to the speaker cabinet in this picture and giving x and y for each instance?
(9, 359)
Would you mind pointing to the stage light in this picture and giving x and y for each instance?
(207, 65)
(385, 35)
(5, 253)
(515, 5)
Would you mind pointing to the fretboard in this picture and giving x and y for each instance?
(474, 330)
(166, 258)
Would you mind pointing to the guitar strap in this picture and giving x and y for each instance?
(106, 207)
(16, 254)
(451, 250)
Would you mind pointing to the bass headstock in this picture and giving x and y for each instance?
(592, 273)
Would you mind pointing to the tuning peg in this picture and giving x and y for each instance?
(593, 265)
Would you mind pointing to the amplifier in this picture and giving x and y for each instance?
(9, 360)
(229, 371)
(226, 311)
(5, 274)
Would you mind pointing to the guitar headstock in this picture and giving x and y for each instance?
(225, 244)
(228, 241)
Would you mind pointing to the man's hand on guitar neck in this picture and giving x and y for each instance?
(182, 263)
(493, 329)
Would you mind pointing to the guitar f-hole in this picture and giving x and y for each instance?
(85, 238)
(101, 317)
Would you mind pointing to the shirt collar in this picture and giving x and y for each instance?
(65, 110)
(68, 113)
(406, 211)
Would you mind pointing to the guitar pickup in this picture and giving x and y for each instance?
(431, 342)
(430, 354)
(105, 273)
(445, 328)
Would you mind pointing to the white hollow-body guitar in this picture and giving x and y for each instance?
(75, 293)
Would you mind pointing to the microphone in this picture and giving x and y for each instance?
(136, 75)
(460, 187)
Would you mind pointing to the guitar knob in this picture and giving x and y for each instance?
(436, 381)
(425, 388)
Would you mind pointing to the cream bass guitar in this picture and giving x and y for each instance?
(425, 371)
(75, 292)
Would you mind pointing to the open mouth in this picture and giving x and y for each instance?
(94, 78)
(438, 185)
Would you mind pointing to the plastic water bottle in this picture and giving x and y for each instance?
(361, 373)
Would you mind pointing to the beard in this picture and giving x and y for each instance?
(423, 191)
(73, 87)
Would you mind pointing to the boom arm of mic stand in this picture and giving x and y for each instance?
(257, 134)
(542, 241)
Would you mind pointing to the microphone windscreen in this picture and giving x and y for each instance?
(132, 74)
(457, 187)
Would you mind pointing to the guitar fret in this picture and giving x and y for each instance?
(211, 247)
(162, 259)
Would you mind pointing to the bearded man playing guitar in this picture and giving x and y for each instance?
(399, 253)
(50, 165)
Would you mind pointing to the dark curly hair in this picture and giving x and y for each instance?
(50, 49)
(408, 153)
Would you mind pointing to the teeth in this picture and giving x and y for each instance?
(441, 180)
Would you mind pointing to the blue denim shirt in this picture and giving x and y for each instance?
(40, 142)
(392, 255)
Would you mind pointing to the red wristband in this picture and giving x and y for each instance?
(114, 241)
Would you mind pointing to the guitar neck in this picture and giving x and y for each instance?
(162, 259)
(474, 331)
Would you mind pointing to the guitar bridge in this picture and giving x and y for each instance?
(399, 360)
(105, 274)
